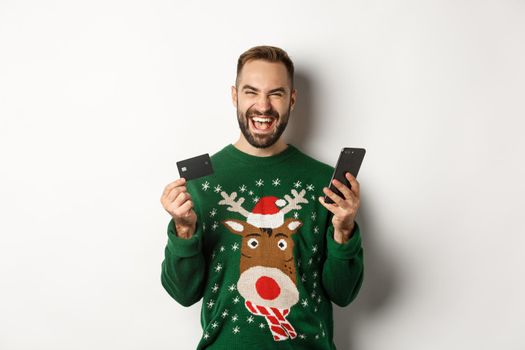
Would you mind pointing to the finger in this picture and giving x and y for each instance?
(330, 207)
(343, 188)
(356, 187)
(173, 184)
(333, 196)
(181, 198)
(175, 193)
(184, 210)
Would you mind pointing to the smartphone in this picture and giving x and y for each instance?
(195, 167)
(350, 160)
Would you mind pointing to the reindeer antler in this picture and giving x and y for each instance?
(233, 205)
(293, 203)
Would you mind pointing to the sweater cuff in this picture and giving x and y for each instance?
(183, 247)
(347, 250)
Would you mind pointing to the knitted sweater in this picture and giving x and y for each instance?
(263, 258)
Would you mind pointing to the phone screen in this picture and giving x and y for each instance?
(350, 160)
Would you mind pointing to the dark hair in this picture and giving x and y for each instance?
(266, 53)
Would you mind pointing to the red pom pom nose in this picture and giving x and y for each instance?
(267, 288)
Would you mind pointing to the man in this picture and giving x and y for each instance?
(255, 240)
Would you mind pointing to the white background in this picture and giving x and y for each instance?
(99, 99)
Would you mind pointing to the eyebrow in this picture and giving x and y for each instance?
(249, 87)
(253, 235)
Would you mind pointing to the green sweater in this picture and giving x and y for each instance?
(263, 258)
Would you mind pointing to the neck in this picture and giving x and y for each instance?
(243, 145)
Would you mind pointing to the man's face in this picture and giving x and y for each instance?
(264, 99)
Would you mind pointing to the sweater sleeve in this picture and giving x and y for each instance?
(183, 268)
(343, 268)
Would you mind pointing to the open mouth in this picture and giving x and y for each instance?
(262, 124)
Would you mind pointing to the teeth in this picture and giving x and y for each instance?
(262, 120)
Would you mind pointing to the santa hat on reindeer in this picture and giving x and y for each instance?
(267, 213)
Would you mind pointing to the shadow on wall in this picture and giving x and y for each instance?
(380, 282)
(302, 119)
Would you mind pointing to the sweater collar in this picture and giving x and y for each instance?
(249, 159)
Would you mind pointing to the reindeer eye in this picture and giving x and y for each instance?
(282, 244)
(253, 243)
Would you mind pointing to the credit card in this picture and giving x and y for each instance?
(193, 168)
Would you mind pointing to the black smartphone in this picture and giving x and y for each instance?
(193, 168)
(350, 160)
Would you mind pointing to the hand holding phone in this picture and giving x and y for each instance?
(350, 160)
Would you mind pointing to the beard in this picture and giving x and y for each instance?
(262, 141)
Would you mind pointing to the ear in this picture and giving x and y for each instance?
(235, 226)
(293, 225)
(234, 96)
(293, 97)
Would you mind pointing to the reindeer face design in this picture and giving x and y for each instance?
(267, 263)
(267, 280)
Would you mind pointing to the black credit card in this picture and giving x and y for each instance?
(193, 168)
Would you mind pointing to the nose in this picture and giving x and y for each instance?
(267, 288)
(263, 103)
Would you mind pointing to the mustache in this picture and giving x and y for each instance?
(270, 112)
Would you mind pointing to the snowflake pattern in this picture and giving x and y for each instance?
(218, 267)
(210, 303)
(215, 225)
(259, 183)
(236, 330)
(310, 187)
(217, 188)
(235, 246)
(255, 199)
(242, 188)
(213, 212)
(250, 319)
(297, 184)
(215, 288)
(205, 186)
(276, 182)
(232, 287)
